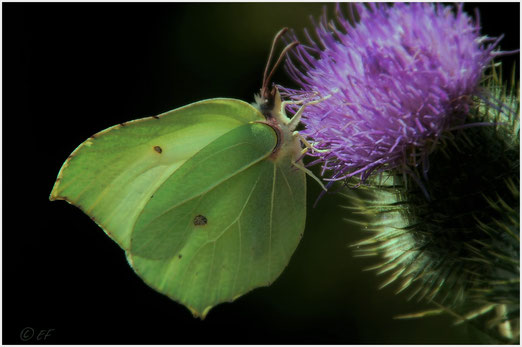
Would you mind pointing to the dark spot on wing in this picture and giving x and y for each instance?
(179, 256)
(158, 149)
(200, 220)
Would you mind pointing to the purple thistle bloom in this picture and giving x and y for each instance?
(397, 81)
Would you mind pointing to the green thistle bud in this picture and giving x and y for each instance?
(460, 248)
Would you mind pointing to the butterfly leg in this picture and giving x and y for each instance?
(296, 118)
(292, 124)
(308, 145)
(299, 165)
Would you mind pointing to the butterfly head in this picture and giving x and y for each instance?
(268, 102)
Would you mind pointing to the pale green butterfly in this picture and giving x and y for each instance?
(207, 200)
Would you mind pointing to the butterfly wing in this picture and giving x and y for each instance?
(195, 198)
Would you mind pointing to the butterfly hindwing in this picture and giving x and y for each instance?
(253, 224)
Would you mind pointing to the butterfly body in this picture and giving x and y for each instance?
(289, 144)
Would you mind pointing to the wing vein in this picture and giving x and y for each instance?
(271, 218)
(288, 185)
(239, 257)
(184, 276)
(210, 269)
(242, 209)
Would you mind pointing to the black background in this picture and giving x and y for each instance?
(71, 70)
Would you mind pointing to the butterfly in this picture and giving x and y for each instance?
(208, 201)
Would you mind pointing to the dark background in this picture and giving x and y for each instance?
(71, 70)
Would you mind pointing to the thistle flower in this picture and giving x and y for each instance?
(461, 249)
(404, 87)
(398, 79)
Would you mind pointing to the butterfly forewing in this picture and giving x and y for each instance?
(112, 175)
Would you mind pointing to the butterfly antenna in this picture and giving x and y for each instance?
(276, 38)
(266, 76)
